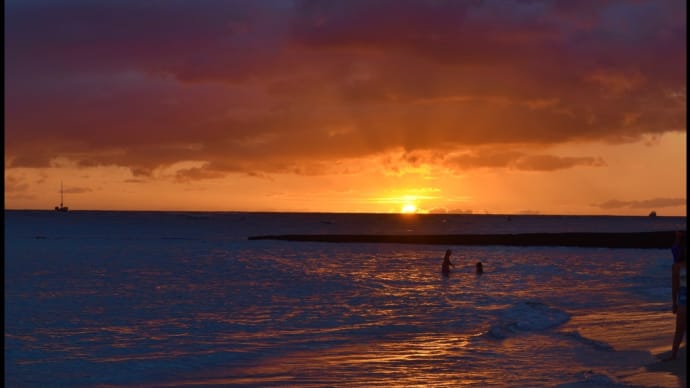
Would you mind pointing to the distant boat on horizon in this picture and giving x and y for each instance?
(61, 208)
(653, 213)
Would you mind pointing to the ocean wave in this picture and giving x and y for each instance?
(590, 342)
(527, 317)
(591, 379)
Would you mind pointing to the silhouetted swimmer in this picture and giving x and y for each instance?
(480, 268)
(445, 267)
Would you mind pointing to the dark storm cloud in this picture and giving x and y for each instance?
(268, 86)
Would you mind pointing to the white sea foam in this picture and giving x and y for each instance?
(589, 379)
(598, 345)
(527, 316)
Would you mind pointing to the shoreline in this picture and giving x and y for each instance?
(677, 367)
(660, 373)
(641, 240)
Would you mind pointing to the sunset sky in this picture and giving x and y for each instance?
(544, 107)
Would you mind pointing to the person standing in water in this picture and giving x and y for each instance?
(445, 267)
(678, 245)
(480, 268)
(679, 293)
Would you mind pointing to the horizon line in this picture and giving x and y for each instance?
(349, 212)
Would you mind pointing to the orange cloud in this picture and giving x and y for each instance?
(643, 204)
(519, 160)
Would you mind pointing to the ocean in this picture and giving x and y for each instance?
(173, 299)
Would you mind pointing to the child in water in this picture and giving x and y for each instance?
(480, 268)
(445, 267)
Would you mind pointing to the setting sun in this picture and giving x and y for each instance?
(409, 208)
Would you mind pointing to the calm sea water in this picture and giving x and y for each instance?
(159, 299)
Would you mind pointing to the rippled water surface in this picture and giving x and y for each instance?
(177, 299)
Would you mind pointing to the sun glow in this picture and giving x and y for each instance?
(409, 208)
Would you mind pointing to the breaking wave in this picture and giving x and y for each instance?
(527, 317)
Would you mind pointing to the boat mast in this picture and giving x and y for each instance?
(61, 194)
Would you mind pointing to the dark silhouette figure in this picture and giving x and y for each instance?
(480, 268)
(679, 294)
(445, 267)
(678, 245)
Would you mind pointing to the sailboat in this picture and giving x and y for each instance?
(61, 208)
